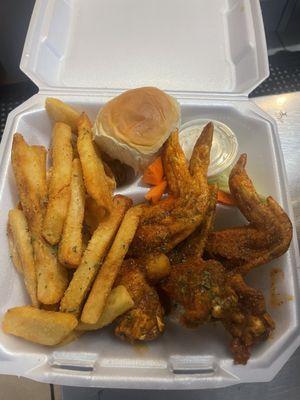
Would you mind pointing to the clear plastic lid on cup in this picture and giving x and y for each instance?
(224, 147)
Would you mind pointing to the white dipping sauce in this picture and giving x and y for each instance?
(224, 147)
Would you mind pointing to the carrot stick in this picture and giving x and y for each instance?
(156, 192)
(225, 198)
(154, 173)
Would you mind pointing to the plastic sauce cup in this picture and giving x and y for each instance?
(224, 147)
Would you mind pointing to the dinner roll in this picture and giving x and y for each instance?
(133, 126)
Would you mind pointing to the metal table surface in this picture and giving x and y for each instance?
(285, 109)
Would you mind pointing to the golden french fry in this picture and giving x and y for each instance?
(108, 272)
(39, 326)
(110, 178)
(74, 335)
(59, 183)
(13, 250)
(52, 278)
(41, 174)
(94, 175)
(70, 247)
(30, 173)
(92, 258)
(93, 214)
(22, 239)
(157, 267)
(62, 112)
(118, 302)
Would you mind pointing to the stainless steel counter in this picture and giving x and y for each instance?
(285, 109)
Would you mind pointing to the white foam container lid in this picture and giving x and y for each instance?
(210, 55)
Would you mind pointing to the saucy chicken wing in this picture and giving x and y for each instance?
(267, 236)
(207, 292)
(248, 323)
(145, 320)
(164, 225)
(199, 287)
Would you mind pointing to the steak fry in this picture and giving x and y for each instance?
(267, 236)
(29, 166)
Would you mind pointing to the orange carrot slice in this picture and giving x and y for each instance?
(225, 198)
(155, 193)
(154, 173)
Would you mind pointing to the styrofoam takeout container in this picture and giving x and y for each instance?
(210, 55)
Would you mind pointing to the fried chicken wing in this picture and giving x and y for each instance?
(267, 236)
(145, 320)
(164, 225)
(199, 287)
(193, 246)
(248, 323)
(207, 292)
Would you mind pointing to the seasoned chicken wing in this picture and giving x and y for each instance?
(207, 292)
(193, 246)
(145, 320)
(267, 236)
(164, 225)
